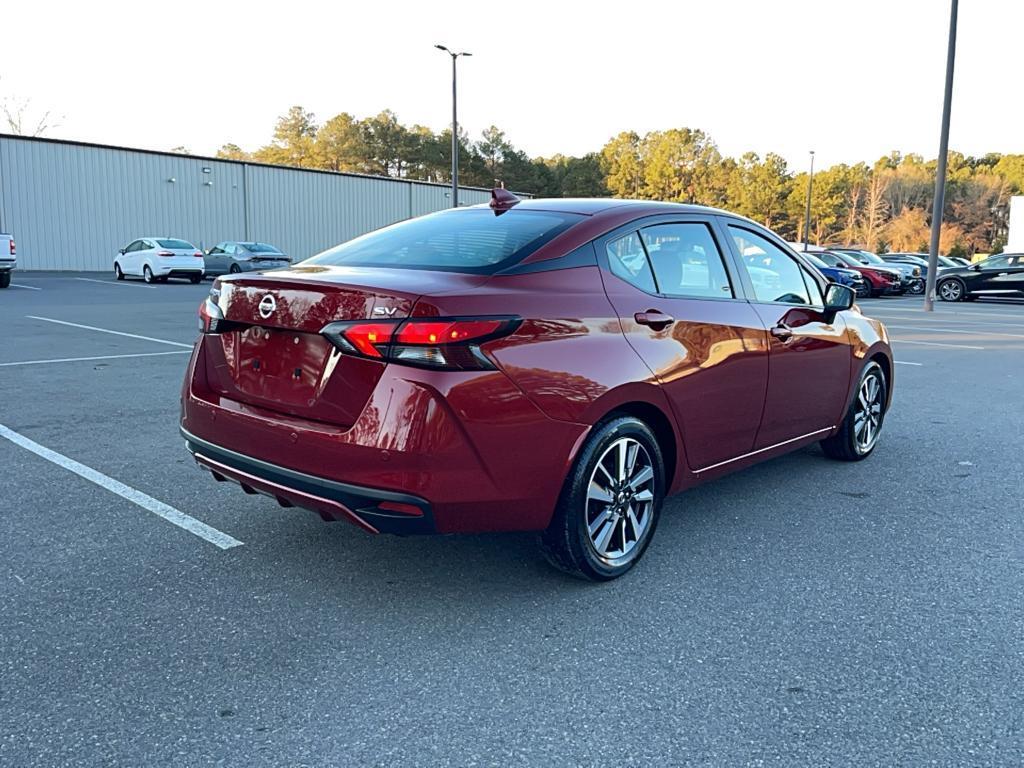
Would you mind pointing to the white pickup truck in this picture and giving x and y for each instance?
(8, 259)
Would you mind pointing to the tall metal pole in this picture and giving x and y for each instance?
(807, 217)
(455, 124)
(939, 202)
(455, 139)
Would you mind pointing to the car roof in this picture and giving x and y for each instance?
(591, 206)
(162, 237)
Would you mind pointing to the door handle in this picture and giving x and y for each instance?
(654, 319)
(782, 331)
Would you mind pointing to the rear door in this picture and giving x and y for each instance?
(809, 362)
(680, 309)
(215, 260)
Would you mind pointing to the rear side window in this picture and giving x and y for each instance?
(686, 261)
(627, 259)
(179, 245)
(472, 240)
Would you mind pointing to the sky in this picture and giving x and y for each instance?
(850, 80)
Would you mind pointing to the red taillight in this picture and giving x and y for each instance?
(444, 332)
(198, 254)
(445, 343)
(369, 338)
(12, 248)
(164, 253)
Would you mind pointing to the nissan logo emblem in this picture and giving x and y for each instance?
(267, 306)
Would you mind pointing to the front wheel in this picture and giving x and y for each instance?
(951, 290)
(858, 434)
(194, 279)
(235, 269)
(864, 291)
(117, 271)
(609, 506)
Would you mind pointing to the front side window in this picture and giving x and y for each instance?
(468, 240)
(776, 275)
(686, 261)
(627, 259)
(996, 262)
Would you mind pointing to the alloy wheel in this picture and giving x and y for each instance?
(620, 500)
(951, 290)
(867, 418)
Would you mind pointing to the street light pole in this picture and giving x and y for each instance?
(455, 125)
(807, 217)
(939, 202)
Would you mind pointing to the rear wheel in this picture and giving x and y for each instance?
(5, 278)
(147, 274)
(951, 290)
(194, 279)
(610, 504)
(858, 434)
(117, 271)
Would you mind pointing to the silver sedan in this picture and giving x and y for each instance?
(232, 257)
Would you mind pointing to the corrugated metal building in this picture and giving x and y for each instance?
(71, 205)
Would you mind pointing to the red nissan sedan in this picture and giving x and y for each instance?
(558, 366)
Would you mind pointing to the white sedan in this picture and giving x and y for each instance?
(158, 258)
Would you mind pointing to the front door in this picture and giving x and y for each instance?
(809, 361)
(678, 308)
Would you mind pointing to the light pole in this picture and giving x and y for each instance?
(807, 216)
(940, 172)
(455, 126)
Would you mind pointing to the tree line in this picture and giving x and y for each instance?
(882, 206)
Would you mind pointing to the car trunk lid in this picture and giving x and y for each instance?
(275, 357)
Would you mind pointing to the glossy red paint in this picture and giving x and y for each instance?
(490, 449)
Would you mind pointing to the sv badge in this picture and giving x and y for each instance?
(385, 311)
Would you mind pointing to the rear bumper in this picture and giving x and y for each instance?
(468, 448)
(175, 270)
(6, 265)
(332, 500)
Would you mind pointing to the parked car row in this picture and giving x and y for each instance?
(155, 259)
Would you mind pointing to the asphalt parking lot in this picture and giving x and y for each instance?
(803, 612)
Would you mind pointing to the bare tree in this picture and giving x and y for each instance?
(17, 113)
(875, 209)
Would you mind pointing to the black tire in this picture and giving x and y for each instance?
(951, 289)
(5, 278)
(235, 269)
(864, 291)
(568, 544)
(846, 444)
(194, 279)
(147, 275)
(117, 271)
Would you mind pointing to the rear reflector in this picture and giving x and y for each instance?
(400, 508)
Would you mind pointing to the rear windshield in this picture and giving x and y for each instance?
(259, 248)
(179, 245)
(469, 240)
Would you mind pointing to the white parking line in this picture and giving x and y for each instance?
(936, 344)
(111, 282)
(168, 513)
(935, 329)
(26, 287)
(906, 362)
(97, 357)
(107, 330)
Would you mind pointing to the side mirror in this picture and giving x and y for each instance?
(975, 267)
(121, 251)
(838, 298)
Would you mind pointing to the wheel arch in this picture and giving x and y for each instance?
(662, 427)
